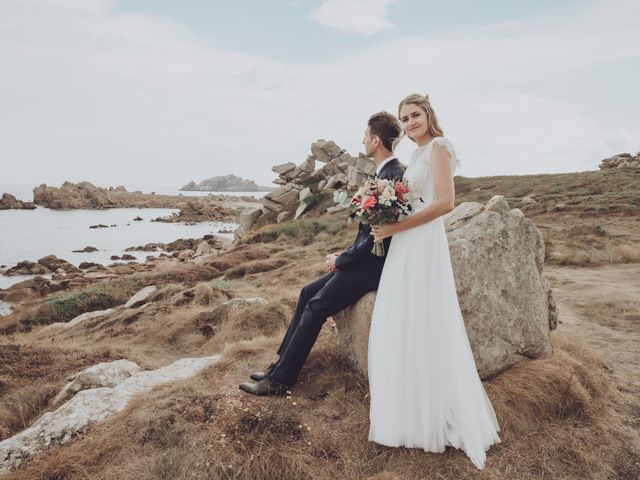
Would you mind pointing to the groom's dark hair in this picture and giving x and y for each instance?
(386, 127)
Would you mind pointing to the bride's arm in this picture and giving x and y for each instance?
(442, 204)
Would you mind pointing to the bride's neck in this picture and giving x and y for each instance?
(421, 142)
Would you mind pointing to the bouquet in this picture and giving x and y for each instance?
(377, 202)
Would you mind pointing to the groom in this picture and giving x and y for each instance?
(352, 273)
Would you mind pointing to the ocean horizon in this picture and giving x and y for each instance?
(24, 191)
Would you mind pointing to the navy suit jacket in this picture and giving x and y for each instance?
(357, 266)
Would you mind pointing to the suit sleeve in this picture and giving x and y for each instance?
(358, 253)
(361, 252)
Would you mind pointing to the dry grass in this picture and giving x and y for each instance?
(555, 415)
(593, 193)
(64, 306)
(256, 266)
(561, 417)
(619, 315)
(31, 376)
(204, 294)
(249, 323)
(598, 224)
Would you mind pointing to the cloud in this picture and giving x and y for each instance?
(114, 98)
(363, 17)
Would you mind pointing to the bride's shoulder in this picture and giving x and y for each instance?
(444, 144)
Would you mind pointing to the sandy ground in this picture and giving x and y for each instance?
(601, 306)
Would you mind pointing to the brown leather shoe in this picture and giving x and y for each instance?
(257, 376)
(265, 388)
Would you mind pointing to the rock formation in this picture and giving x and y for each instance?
(224, 183)
(299, 182)
(622, 160)
(497, 256)
(105, 374)
(199, 211)
(73, 195)
(9, 202)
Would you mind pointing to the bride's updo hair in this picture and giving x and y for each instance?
(422, 101)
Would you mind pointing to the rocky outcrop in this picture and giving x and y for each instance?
(83, 317)
(106, 374)
(199, 211)
(245, 222)
(58, 265)
(27, 268)
(329, 167)
(141, 297)
(497, 256)
(9, 202)
(35, 287)
(73, 195)
(89, 406)
(87, 249)
(224, 183)
(622, 160)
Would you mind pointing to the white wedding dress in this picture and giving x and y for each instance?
(425, 389)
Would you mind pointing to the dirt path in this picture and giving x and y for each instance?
(601, 306)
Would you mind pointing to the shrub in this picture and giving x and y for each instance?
(67, 307)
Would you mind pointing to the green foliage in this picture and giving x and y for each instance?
(304, 229)
(313, 200)
(63, 308)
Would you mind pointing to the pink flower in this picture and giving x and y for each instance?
(401, 191)
(369, 202)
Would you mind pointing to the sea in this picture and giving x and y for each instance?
(33, 234)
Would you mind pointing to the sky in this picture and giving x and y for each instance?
(160, 92)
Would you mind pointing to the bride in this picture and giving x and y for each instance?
(425, 389)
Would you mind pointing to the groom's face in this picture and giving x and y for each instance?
(368, 142)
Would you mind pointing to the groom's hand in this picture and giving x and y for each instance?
(331, 262)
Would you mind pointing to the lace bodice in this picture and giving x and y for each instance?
(419, 173)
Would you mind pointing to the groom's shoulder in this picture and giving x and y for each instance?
(395, 168)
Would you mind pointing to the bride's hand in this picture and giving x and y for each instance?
(380, 232)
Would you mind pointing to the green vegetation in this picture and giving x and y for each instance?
(316, 199)
(304, 229)
(66, 307)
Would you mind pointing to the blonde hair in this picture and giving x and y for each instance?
(422, 101)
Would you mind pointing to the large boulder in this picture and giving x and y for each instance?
(325, 150)
(58, 265)
(245, 222)
(497, 256)
(282, 198)
(105, 374)
(141, 297)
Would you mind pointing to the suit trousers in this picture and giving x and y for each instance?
(318, 300)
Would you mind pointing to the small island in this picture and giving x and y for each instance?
(225, 183)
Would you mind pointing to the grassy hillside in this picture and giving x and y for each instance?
(588, 193)
(566, 416)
